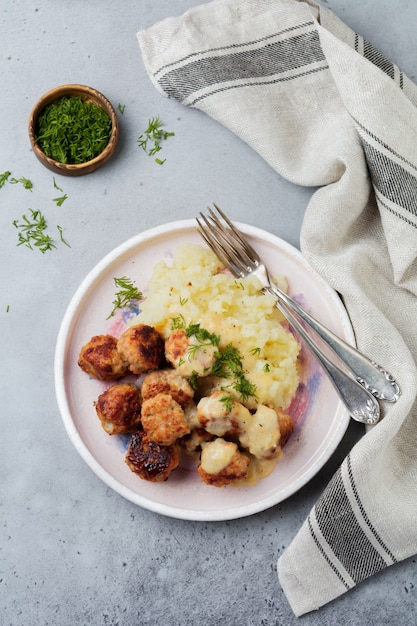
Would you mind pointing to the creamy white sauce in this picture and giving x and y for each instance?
(216, 455)
(261, 435)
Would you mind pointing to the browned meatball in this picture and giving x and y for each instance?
(100, 359)
(193, 442)
(222, 463)
(163, 419)
(167, 381)
(220, 414)
(142, 347)
(176, 346)
(118, 408)
(286, 426)
(188, 355)
(150, 460)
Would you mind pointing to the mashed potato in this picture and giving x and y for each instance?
(197, 289)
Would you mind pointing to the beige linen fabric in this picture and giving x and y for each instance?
(324, 108)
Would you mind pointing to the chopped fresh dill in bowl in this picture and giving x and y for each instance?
(73, 130)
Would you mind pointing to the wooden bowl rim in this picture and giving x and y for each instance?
(89, 94)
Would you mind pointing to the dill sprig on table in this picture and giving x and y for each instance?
(33, 232)
(60, 201)
(3, 178)
(150, 140)
(27, 184)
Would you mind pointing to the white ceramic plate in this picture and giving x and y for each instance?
(321, 419)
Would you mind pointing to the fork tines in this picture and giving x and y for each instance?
(226, 241)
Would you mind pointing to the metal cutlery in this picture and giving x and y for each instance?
(357, 379)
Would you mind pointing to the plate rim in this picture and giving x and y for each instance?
(63, 340)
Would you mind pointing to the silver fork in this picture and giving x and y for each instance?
(361, 381)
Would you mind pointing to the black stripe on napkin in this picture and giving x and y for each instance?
(246, 65)
(232, 46)
(392, 180)
(367, 50)
(384, 145)
(343, 533)
(363, 512)
(324, 555)
(254, 83)
(378, 59)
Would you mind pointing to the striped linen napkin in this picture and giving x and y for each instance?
(325, 109)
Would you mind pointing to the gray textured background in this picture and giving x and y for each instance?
(73, 551)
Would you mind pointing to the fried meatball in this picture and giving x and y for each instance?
(222, 463)
(188, 356)
(220, 414)
(118, 408)
(170, 382)
(262, 434)
(191, 415)
(195, 440)
(142, 347)
(100, 359)
(198, 434)
(286, 426)
(163, 419)
(149, 459)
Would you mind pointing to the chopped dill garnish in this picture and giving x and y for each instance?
(32, 232)
(56, 186)
(193, 380)
(228, 364)
(61, 236)
(72, 130)
(228, 402)
(27, 184)
(178, 322)
(60, 201)
(121, 108)
(255, 351)
(151, 138)
(127, 295)
(228, 361)
(202, 335)
(3, 178)
(244, 387)
(193, 348)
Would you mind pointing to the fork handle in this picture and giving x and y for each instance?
(360, 404)
(378, 381)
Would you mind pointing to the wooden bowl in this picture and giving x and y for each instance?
(88, 94)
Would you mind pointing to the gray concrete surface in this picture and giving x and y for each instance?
(72, 551)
